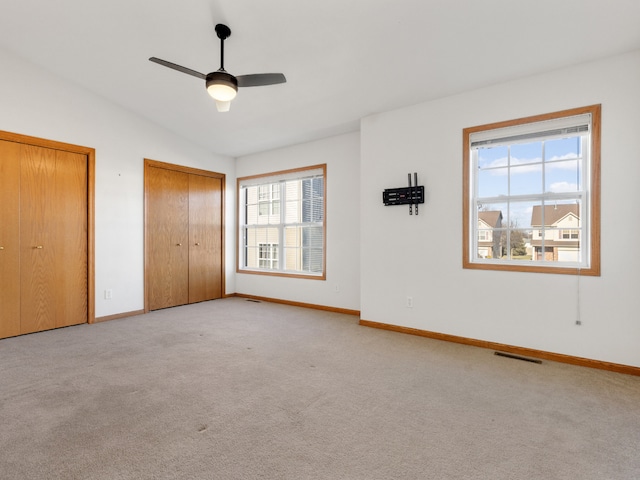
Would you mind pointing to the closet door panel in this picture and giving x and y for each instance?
(168, 233)
(38, 250)
(9, 239)
(69, 231)
(205, 238)
(53, 193)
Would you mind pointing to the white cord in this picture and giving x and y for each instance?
(578, 319)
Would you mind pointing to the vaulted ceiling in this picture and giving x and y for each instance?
(343, 59)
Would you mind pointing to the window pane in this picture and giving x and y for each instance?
(293, 248)
(551, 223)
(525, 179)
(252, 214)
(563, 176)
(292, 211)
(312, 260)
(490, 223)
(562, 149)
(522, 153)
(520, 244)
(493, 157)
(282, 224)
(268, 256)
(493, 183)
(519, 215)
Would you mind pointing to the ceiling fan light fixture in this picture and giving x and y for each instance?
(223, 106)
(222, 86)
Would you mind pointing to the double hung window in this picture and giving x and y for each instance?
(531, 194)
(282, 223)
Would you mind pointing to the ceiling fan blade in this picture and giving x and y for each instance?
(179, 68)
(260, 79)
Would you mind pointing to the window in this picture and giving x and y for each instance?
(268, 256)
(269, 199)
(570, 234)
(531, 186)
(282, 223)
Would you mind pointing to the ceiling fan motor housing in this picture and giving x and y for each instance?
(222, 85)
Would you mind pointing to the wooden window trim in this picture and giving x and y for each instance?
(594, 269)
(239, 180)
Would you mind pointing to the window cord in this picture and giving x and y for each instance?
(578, 319)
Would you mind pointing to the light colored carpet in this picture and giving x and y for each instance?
(233, 389)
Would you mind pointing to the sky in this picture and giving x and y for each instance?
(537, 167)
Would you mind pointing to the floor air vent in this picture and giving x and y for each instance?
(517, 357)
(252, 300)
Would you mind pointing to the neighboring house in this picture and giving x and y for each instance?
(273, 235)
(557, 232)
(489, 244)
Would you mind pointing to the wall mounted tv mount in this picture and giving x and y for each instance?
(412, 195)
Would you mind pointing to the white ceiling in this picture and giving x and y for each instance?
(343, 59)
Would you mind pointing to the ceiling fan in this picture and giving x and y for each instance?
(221, 85)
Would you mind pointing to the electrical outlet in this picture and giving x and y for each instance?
(409, 302)
(337, 288)
(108, 294)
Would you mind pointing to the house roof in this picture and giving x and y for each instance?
(493, 218)
(552, 214)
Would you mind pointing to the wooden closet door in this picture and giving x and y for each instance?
(9, 239)
(168, 238)
(71, 238)
(205, 238)
(53, 236)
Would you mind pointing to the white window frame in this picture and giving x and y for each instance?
(278, 222)
(570, 234)
(271, 257)
(540, 127)
(271, 200)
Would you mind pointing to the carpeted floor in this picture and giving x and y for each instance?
(234, 389)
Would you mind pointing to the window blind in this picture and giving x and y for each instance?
(281, 176)
(555, 128)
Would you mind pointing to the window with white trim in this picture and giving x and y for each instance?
(268, 256)
(269, 199)
(540, 177)
(281, 222)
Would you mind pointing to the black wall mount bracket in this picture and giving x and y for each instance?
(412, 195)
(403, 196)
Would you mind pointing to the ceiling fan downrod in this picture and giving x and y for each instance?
(223, 33)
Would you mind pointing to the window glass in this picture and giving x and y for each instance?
(282, 223)
(533, 194)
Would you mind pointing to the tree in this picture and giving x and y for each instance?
(518, 243)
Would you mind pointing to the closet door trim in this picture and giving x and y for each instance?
(148, 163)
(90, 155)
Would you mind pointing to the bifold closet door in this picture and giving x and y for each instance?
(9, 239)
(205, 238)
(168, 237)
(53, 239)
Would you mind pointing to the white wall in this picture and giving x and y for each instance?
(342, 156)
(38, 104)
(404, 255)
(400, 255)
